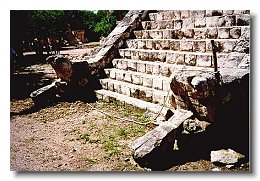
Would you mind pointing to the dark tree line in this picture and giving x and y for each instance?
(27, 25)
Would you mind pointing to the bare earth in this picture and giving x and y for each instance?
(75, 136)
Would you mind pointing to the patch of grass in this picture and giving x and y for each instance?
(143, 119)
(121, 132)
(137, 130)
(85, 137)
(111, 147)
(89, 160)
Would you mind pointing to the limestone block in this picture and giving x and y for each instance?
(170, 58)
(156, 69)
(199, 46)
(120, 75)
(134, 92)
(149, 68)
(174, 45)
(117, 88)
(166, 84)
(143, 55)
(123, 65)
(235, 32)
(149, 44)
(185, 14)
(243, 20)
(188, 33)
(152, 16)
(200, 34)
(147, 81)
(114, 62)
(140, 67)
(200, 22)
(165, 71)
(156, 34)
(188, 23)
(227, 21)
(160, 16)
(231, 60)
(179, 58)
(161, 56)
(212, 21)
(137, 79)
(167, 34)
(103, 83)
(178, 34)
(121, 52)
(154, 25)
(212, 33)
(223, 33)
(198, 13)
(147, 95)
(134, 55)
(112, 74)
(131, 65)
(174, 14)
(145, 35)
(157, 97)
(245, 62)
(178, 24)
(186, 45)
(125, 90)
(228, 12)
(190, 59)
(165, 44)
(225, 156)
(157, 83)
(110, 86)
(141, 44)
(241, 12)
(128, 77)
(119, 64)
(204, 61)
(228, 46)
(146, 25)
(127, 54)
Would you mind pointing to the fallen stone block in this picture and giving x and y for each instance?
(160, 137)
(225, 156)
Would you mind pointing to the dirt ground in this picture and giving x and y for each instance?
(75, 136)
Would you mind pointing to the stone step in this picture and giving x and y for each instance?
(221, 21)
(157, 82)
(108, 96)
(217, 17)
(155, 68)
(137, 91)
(233, 32)
(199, 59)
(203, 45)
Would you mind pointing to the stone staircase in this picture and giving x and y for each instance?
(173, 41)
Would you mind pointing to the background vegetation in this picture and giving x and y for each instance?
(29, 24)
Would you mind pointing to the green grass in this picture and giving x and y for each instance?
(89, 160)
(85, 137)
(121, 132)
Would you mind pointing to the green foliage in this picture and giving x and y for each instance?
(121, 132)
(27, 25)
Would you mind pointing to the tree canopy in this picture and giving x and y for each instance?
(29, 24)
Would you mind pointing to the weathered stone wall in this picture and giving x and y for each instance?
(205, 96)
